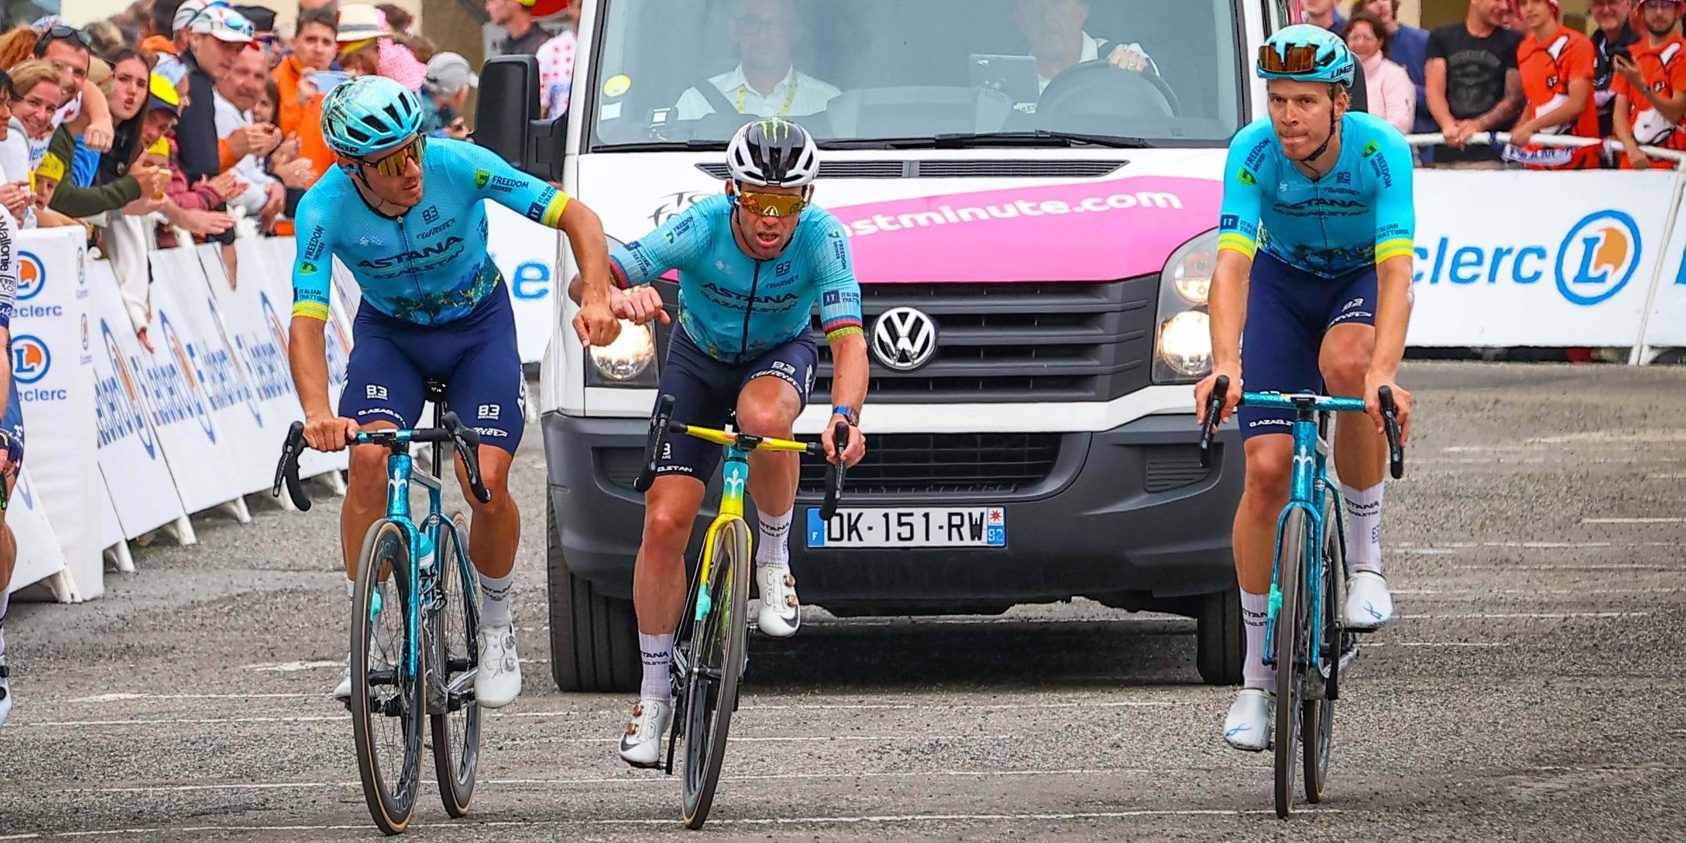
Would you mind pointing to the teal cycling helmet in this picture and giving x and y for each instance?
(1306, 53)
(369, 114)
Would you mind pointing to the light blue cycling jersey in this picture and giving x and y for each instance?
(733, 306)
(1359, 214)
(430, 265)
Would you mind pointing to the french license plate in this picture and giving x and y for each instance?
(978, 526)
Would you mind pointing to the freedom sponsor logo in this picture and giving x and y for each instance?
(117, 400)
(1593, 262)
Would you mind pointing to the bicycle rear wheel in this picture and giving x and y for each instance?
(1289, 639)
(717, 660)
(1317, 723)
(386, 688)
(453, 665)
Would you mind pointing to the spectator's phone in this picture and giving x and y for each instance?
(1622, 51)
(327, 80)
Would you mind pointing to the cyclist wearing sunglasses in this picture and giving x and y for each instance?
(1312, 292)
(752, 264)
(405, 216)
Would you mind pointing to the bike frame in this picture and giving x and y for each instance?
(1308, 484)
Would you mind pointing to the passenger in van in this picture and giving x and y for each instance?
(1054, 29)
(765, 83)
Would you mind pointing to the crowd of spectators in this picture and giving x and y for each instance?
(1513, 66)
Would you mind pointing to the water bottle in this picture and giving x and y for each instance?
(425, 553)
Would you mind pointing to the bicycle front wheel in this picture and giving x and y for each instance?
(386, 689)
(1318, 714)
(1289, 640)
(452, 668)
(717, 662)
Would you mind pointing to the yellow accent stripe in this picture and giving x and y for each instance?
(1393, 248)
(1238, 243)
(834, 336)
(719, 437)
(312, 309)
(553, 214)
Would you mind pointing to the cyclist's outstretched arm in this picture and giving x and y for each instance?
(307, 345)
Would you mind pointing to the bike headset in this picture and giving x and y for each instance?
(1307, 53)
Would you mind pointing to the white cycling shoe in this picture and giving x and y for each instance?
(1369, 605)
(1248, 725)
(497, 681)
(781, 612)
(641, 745)
(5, 692)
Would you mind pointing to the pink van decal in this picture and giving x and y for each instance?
(1089, 231)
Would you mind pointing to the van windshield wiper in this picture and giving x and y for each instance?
(666, 146)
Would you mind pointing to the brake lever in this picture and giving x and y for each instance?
(659, 428)
(1390, 423)
(466, 440)
(1209, 425)
(836, 471)
(287, 470)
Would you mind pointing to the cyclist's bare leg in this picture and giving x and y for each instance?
(365, 496)
(658, 576)
(1270, 459)
(1360, 451)
(768, 407)
(495, 530)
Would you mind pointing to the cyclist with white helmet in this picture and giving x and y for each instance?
(753, 262)
(1312, 292)
(403, 212)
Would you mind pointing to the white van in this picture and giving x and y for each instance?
(1034, 255)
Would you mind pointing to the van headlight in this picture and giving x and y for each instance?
(628, 361)
(1183, 340)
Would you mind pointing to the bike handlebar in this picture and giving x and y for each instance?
(464, 440)
(1220, 392)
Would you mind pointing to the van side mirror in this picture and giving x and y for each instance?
(505, 118)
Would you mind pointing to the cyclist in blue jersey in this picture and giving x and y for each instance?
(11, 436)
(1312, 292)
(752, 264)
(403, 212)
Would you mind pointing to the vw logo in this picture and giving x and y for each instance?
(904, 339)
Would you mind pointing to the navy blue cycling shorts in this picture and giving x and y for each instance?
(705, 394)
(1289, 311)
(475, 356)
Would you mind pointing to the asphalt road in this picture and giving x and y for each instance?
(1529, 688)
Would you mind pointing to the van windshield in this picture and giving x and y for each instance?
(880, 74)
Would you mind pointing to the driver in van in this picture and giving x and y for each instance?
(765, 83)
(1054, 29)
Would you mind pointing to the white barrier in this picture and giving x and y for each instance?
(526, 253)
(40, 558)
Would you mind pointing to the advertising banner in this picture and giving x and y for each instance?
(39, 554)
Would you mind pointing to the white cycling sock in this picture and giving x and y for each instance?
(1363, 528)
(655, 651)
(495, 604)
(1255, 613)
(5, 601)
(773, 548)
(351, 589)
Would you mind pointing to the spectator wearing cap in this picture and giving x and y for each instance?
(235, 96)
(1650, 99)
(1391, 95)
(263, 32)
(299, 80)
(1615, 35)
(1556, 65)
(367, 49)
(1322, 13)
(523, 37)
(218, 35)
(1407, 46)
(449, 79)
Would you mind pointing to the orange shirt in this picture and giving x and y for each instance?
(1547, 69)
(303, 120)
(1664, 69)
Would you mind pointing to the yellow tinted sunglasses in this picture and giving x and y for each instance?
(1299, 59)
(772, 204)
(397, 161)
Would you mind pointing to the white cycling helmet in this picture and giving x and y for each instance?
(773, 152)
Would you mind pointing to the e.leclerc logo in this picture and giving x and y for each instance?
(245, 379)
(1594, 261)
(30, 358)
(184, 370)
(32, 276)
(118, 399)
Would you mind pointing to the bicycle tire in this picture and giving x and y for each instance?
(1317, 723)
(1288, 644)
(386, 547)
(456, 730)
(717, 661)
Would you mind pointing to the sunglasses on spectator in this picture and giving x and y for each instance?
(68, 33)
(395, 163)
(1301, 59)
(771, 204)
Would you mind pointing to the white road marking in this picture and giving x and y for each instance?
(882, 707)
(1530, 592)
(129, 697)
(1648, 520)
(1525, 615)
(186, 721)
(291, 667)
